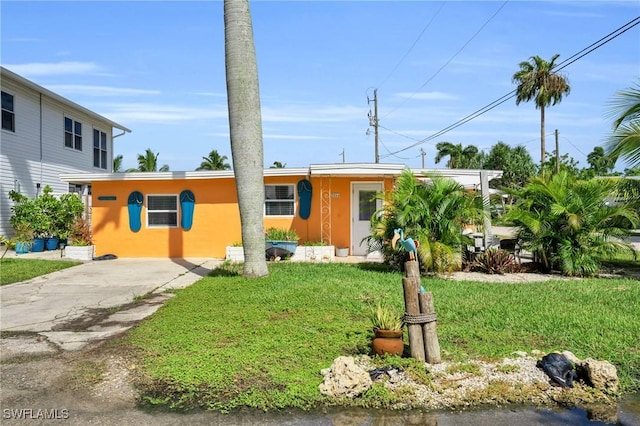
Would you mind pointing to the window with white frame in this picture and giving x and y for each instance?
(72, 134)
(8, 115)
(99, 149)
(279, 200)
(162, 211)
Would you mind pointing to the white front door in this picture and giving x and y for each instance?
(363, 205)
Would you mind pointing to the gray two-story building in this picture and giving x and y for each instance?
(44, 135)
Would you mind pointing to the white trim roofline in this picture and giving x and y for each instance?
(30, 84)
(86, 178)
(356, 169)
(338, 169)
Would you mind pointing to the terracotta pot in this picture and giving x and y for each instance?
(387, 342)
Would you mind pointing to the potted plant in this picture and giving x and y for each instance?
(280, 242)
(26, 214)
(80, 244)
(71, 208)
(40, 213)
(48, 215)
(23, 237)
(387, 328)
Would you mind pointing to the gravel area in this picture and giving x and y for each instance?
(473, 383)
(514, 278)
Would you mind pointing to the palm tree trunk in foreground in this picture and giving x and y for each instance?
(245, 125)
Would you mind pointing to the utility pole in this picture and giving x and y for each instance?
(373, 121)
(422, 154)
(342, 153)
(557, 153)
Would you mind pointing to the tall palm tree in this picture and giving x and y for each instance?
(214, 161)
(536, 80)
(148, 162)
(625, 139)
(117, 164)
(245, 126)
(459, 157)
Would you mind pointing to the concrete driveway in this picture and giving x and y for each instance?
(91, 301)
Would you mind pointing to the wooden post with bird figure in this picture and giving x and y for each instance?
(420, 315)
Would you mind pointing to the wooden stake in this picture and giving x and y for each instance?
(411, 287)
(431, 344)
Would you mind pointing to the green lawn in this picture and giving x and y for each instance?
(227, 341)
(16, 270)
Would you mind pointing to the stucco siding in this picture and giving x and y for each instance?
(216, 220)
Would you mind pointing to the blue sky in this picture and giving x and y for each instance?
(157, 67)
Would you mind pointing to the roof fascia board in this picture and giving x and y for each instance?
(138, 176)
(30, 84)
(355, 169)
(492, 174)
(362, 169)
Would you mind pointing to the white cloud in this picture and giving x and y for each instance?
(213, 94)
(292, 137)
(80, 89)
(154, 113)
(54, 68)
(21, 39)
(307, 114)
(430, 96)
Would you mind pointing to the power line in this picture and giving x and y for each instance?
(591, 47)
(450, 59)
(460, 122)
(412, 46)
(577, 149)
(394, 155)
(398, 133)
(582, 53)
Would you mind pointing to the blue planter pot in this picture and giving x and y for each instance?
(52, 243)
(22, 247)
(37, 245)
(289, 246)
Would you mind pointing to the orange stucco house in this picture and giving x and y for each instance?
(195, 214)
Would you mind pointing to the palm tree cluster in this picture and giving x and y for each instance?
(431, 213)
(568, 224)
(214, 161)
(459, 157)
(147, 162)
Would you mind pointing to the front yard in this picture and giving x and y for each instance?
(228, 342)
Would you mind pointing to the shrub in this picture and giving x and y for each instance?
(280, 234)
(81, 233)
(432, 214)
(47, 215)
(567, 223)
(495, 261)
